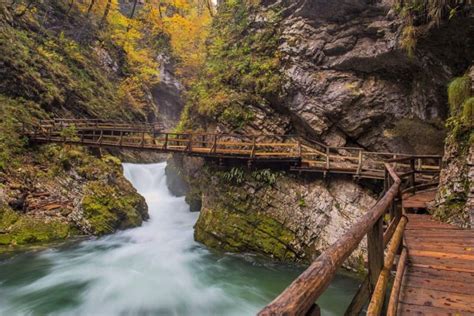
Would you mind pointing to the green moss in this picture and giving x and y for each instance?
(107, 210)
(114, 161)
(468, 112)
(458, 91)
(239, 232)
(16, 229)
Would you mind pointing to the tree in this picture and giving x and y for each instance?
(91, 5)
(106, 12)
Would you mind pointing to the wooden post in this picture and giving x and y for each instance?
(214, 146)
(100, 137)
(254, 146)
(376, 303)
(393, 302)
(143, 139)
(190, 143)
(413, 174)
(328, 164)
(165, 145)
(375, 252)
(359, 167)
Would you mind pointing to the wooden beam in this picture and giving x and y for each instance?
(395, 293)
(376, 303)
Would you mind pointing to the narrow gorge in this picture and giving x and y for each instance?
(195, 145)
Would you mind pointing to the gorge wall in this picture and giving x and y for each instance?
(336, 71)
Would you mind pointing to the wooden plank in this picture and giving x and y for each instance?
(405, 309)
(440, 299)
(434, 283)
(442, 264)
(444, 247)
(431, 273)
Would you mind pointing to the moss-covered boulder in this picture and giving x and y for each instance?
(240, 232)
(20, 229)
(272, 212)
(107, 209)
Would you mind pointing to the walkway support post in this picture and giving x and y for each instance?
(376, 303)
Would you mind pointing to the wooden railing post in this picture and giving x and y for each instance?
(300, 155)
(254, 147)
(359, 167)
(190, 143)
(165, 145)
(413, 173)
(214, 146)
(375, 252)
(99, 141)
(328, 152)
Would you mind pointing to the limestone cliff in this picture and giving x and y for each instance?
(54, 62)
(336, 71)
(455, 199)
(275, 213)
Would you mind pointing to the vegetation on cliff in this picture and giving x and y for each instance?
(452, 203)
(95, 59)
(241, 67)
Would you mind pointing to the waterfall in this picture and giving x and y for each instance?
(155, 269)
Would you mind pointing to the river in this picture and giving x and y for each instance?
(156, 269)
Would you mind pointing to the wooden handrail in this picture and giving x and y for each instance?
(397, 284)
(301, 295)
(376, 303)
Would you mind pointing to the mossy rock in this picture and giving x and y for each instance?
(238, 232)
(107, 210)
(16, 229)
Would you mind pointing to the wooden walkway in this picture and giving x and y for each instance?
(435, 266)
(288, 151)
(439, 274)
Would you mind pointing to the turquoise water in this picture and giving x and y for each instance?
(156, 269)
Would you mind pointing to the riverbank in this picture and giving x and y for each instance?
(156, 268)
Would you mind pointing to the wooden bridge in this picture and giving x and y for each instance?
(289, 151)
(432, 262)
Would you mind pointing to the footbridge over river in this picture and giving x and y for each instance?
(431, 263)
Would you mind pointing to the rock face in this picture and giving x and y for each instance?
(350, 81)
(347, 81)
(455, 199)
(53, 198)
(168, 93)
(274, 213)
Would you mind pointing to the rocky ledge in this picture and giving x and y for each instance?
(64, 192)
(277, 214)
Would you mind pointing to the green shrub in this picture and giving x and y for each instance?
(458, 91)
(266, 176)
(235, 175)
(468, 112)
(241, 70)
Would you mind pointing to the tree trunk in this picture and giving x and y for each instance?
(91, 5)
(106, 13)
(133, 9)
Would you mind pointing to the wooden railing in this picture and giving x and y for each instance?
(383, 225)
(300, 154)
